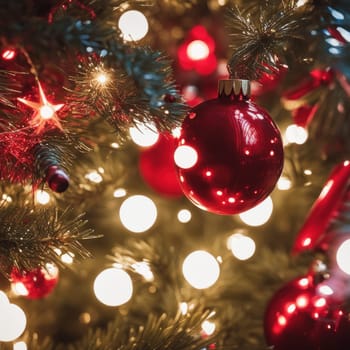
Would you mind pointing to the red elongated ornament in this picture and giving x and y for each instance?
(229, 154)
(323, 209)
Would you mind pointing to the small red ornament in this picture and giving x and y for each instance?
(324, 208)
(198, 52)
(57, 179)
(230, 153)
(304, 315)
(35, 284)
(157, 167)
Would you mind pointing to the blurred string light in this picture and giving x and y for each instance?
(21, 345)
(119, 193)
(138, 213)
(342, 256)
(184, 216)
(197, 50)
(6, 198)
(185, 157)
(13, 320)
(8, 54)
(183, 308)
(208, 327)
(133, 24)
(94, 176)
(68, 258)
(143, 269)
(42, 197)
(4, 300)
(113, 287)
(284, 183)
(200, 269)
(259, 214)
(144, 135)
(241, 246)
(296, 134)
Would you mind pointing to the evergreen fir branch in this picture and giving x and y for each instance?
(140, 89)
(30, 238)
(259, 37)
(181, 332)
(8, 87)
(59, 150)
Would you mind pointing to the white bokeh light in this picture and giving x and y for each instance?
(46, 112)
(342, 256)
(133, 24)
(200, 269)
(13, 322)
(138, 213)
(284, 184)
(185, 157)
(197, 50)
(119, 192)
(4, 300)
(241, 246)
(184, 216)
(208, 327)
(144, 135)
(296, 134)
(42, 197)
(94, 176)
(113, 287)
(259, 214)
(21, 345)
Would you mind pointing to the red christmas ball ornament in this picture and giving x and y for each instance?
(157, 167)
(304, 315)
(57, 179)
(230, 153)
(35, 284)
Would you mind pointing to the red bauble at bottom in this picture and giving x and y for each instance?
(306, 316)
(35, 284)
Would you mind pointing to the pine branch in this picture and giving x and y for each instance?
(259, 37)
(30, 238)
(158, 333)
(139, 89)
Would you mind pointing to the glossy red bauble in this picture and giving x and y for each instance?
(157, 167)
(35, 284)
(305, 316)
(236, 151)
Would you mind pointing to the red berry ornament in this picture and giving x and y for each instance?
(57, 179)
(35, 284)
(230, 153)
(157, 167)
(305, 316)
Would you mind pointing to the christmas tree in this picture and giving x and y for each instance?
(146, 206)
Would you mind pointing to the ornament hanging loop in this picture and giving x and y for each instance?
(234, 88)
